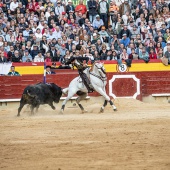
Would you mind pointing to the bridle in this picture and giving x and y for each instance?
(101, 68)
(100, 77)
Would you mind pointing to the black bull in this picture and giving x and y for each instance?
(37, 94)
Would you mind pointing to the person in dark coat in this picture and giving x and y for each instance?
(16, 58)
(34, 52)
(2, 58)
(48, 70)
(126, 31)
(69, 45)
(69, 7)
(92, 6)
(81, 64)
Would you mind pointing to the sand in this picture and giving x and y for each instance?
(136, 137)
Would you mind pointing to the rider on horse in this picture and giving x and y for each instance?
(81, 64)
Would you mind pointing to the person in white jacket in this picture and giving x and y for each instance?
(39, 57)
(13, 5)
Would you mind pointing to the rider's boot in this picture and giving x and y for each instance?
(90, 89)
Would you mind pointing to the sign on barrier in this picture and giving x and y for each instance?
(111, 92)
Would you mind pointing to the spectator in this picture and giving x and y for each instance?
(144, 55)
(152, 54)
(39, 57)
(97, 23)
(125, 40)
(69, 7)
(92, 6)
(167, 53)
(16, 57)
(34, 51)
(124, 7)
(49, 71)
(133, 55)
(13, 6)
(124, 56)
(126, 31)
(3, 59)
(48, 23)
(104, 35)
(115, 56)
(63, 50)
(81, 8)
(26, 57)
(57, 57)
(160, 53)
(59, 9)
(103, 11)
(13, 72)
(103, 52)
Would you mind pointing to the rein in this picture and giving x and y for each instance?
(100, 77)
(101, 69)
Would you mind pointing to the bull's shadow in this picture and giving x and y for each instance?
(38, 94)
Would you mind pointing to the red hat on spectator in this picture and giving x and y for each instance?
(63, 13)
(63, 45)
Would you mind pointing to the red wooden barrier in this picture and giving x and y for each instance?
(150, 82)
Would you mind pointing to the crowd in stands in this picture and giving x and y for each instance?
(54, 30)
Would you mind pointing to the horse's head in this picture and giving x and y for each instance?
(101, 69)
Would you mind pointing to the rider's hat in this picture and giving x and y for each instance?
(72, 59)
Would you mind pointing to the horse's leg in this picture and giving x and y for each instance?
(81, 97)
(104, 105)
(107, 98)
(70, 95)
(112, 104)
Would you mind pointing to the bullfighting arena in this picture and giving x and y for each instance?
(136, 137)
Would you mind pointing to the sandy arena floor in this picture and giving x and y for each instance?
(136, 137)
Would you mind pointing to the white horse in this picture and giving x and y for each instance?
(98, 80)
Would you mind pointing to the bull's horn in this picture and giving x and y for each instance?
(30, 94)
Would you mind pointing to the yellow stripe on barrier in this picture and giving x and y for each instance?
(135, 67)
(139, 67)
(30, 69)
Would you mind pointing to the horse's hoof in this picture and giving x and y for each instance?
(115, 109)
(84, 111)
(61, 112)
(18, 115)
(101, 110)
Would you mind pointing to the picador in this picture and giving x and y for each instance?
(81, 64)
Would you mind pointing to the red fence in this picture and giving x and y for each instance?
(150, 82)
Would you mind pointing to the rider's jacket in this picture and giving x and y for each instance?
(78, 62)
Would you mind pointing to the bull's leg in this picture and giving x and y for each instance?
(37, 108)
(81, 97)
(52, 106)
(20, 107)
(32, 109)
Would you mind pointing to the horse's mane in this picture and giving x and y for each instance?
(94, 64)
